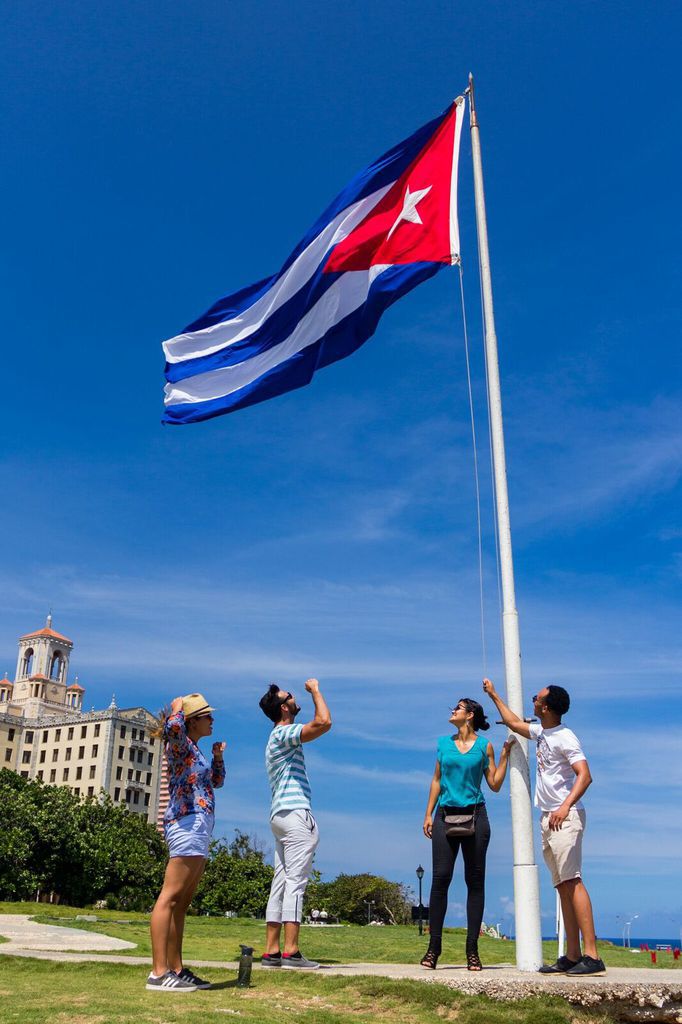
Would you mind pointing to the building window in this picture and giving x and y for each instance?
(149, 778)
(76, 791)
(119, 772)
(24, 775)
(27, 664)
(97, 730)
(140, 755)
(151, 741)
(56, 666)
(53, 775)
(45, 736)
(131, 756)
(81, 753)
(42, 756)
(40, 776)
(146, 799)
(57, 735)
(134, 734)
(67, 754)
(117, 793)
(65, 775)
(26, 757)
(136, 797)
(123, 732)
(141, 734)
(138, 776)
(121, 752)
(84, 731)
(95, 748)
(130, 773)
(91, 791)
(150, 759)
(8, 755)
(10, 735)
(69, 734)
(93, 769)
(79, 772)
(55, 755)
(28, 738)
(127, 796)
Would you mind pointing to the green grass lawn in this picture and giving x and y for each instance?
(32, 992)
(216, 938)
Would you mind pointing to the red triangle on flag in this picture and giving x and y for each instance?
(412, 223)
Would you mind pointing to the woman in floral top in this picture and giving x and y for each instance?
(188, 825)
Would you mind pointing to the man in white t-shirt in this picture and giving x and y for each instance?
(291, 820)
(562, 777)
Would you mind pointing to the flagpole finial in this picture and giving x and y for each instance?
(473, 120)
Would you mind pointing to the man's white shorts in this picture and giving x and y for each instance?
(563, 849)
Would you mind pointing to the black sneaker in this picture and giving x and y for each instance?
(271, 960)
(189, 976)
(297, 962)
(562, 965)
(169, 982)
(587, 965)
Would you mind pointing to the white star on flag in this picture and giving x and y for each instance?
(409, 211)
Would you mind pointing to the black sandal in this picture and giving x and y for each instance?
(429, 960)
(474, 962)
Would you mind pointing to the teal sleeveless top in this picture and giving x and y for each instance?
(461, 774)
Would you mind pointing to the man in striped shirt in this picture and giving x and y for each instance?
(291, 820)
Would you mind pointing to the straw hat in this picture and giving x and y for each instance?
(195, 704)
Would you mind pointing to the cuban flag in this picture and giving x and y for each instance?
(392, 227)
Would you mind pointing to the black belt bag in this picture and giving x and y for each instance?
(460, 821)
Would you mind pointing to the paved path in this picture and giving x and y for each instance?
(25, 934)
(654, 990)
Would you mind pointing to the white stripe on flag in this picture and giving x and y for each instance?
(218, 336)
(347, 294)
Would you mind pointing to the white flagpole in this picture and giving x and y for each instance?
(526, 887)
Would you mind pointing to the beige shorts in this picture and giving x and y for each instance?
(563, 849)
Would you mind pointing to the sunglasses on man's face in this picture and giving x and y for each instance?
(203, 718)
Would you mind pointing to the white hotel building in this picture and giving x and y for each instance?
(46, 735)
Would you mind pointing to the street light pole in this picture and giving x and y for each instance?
(420, 875)
(369, 904)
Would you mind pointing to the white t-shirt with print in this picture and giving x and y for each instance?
(558, 749)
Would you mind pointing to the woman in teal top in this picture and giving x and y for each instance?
(463, 761)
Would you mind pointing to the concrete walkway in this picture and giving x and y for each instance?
(656, 992)
(25, 934)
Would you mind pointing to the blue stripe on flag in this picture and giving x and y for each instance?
(340, 341)
(276, 328)
(381, 172)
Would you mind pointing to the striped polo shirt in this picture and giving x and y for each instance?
(285, 765)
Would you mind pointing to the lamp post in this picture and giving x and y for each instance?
(369, 904)
(420, 875)
(626, 931)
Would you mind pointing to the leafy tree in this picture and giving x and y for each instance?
(50, 841)
(345, 898)
(236, 878)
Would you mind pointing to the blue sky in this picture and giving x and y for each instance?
(158, 156)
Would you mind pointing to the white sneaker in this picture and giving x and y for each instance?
(169, 982)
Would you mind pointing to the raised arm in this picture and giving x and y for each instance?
(175, 730)
(511, 720)
(218, 770)
(494, 775)
(434, 793)
(322, 720)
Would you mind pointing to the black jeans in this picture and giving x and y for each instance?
(444, 852)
